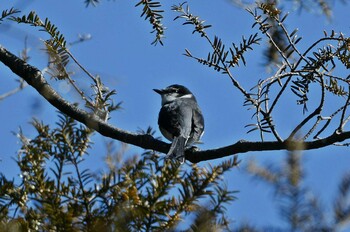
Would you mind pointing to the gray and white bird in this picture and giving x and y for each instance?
(180, 119)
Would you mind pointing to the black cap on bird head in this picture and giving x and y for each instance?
(179, 89)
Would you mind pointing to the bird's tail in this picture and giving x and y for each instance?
(177, 149)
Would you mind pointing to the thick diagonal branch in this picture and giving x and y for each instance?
(34, 77)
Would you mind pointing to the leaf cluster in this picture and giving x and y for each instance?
(100, 102)
(44, 197)
(152, 12)
(8, 13)
(220, 59)
(301, 71)
(299, 207)
(47, 26)
(58, 60)
(139, 193)
(190, 19)
(103, 103)
(270, 22)
(55, 47)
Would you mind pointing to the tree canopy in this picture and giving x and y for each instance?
(145, 192)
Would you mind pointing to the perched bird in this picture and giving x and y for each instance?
(180, 119)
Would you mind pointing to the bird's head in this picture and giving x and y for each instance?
(174, 92)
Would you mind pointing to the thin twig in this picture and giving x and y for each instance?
(227, 70)
(343, 122)
(265, 31)
(81, 93)
(80, 66)
(317, 111)
(313, 128)
(284, 29)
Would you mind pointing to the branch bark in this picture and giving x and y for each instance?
(34, 78)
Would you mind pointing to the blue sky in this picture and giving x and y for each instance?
(120, 51)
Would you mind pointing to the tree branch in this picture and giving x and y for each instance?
(34, 77)
(243, 146)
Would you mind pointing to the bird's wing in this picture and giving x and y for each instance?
(185, 116)
(197, 125)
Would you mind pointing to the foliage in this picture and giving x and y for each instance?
(301, 70)
(91, 2)
(100, 102)
(152, 12)
(296, 70)
(58, 40)
(56, 191)
(299, 207)
(7, 13)
(146, 193)
(323, 7)
(219, 57)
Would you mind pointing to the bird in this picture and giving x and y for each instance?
(180, 119)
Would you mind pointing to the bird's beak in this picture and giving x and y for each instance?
(159, 91)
